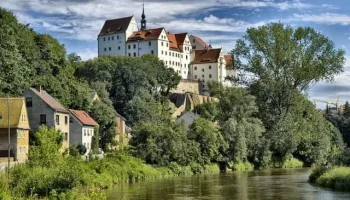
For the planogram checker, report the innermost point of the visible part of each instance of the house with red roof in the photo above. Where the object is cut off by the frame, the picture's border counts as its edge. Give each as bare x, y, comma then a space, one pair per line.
43, 109
82, 128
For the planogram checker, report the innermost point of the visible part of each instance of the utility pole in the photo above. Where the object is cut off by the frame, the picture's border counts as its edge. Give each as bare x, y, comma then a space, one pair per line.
9, 138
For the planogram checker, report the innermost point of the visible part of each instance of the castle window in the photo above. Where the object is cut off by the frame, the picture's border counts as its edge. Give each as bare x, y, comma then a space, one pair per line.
166, 53
167, 45
202, 70
162, 52
109, 38
152, 52
105, 49
104, 39
195, 68
110, 48
43, 119
209, 67
195, 76
112, 37
194, 47
149, 43
129, 46
57, 119
202, 75
118, 47
129, 54
134, 54
65, 119
162, 43
209, 75
117, 37
186, 57
134, 46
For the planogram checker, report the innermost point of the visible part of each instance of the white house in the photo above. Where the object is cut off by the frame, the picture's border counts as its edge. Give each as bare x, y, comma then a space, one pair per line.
122, 37
82, 128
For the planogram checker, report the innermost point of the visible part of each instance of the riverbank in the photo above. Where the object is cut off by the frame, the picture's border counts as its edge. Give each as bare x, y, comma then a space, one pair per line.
337, 178
73, 178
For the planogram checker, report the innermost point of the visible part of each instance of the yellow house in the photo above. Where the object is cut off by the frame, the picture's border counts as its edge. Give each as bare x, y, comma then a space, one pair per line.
121, 135
19, 129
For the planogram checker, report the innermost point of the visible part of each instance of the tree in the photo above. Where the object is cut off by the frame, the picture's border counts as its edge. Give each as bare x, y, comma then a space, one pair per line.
209, 111
346, 112
209, 138
81, 149
105, 116
283, 62
215, 88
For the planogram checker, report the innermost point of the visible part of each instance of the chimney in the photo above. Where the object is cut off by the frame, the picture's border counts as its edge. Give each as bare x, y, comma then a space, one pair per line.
38, 88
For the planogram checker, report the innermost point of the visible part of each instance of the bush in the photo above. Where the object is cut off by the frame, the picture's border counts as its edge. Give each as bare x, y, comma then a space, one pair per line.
337, 178
317, 172
242, 166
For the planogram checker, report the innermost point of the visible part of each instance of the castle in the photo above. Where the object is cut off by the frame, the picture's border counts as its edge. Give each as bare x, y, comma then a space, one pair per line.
188, 55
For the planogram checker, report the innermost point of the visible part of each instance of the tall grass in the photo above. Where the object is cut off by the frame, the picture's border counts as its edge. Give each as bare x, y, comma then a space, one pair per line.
337, 178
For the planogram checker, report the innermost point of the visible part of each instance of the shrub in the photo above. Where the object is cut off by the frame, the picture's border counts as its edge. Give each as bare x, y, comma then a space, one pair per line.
337, 178
242, 166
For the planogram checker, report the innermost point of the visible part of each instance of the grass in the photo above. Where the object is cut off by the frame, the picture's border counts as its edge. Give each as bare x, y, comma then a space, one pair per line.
289, 163
242, 166
337, 178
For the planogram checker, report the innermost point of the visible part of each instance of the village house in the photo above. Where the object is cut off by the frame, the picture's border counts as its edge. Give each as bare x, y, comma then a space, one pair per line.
43, 109
122, 131
81, 129
19, 129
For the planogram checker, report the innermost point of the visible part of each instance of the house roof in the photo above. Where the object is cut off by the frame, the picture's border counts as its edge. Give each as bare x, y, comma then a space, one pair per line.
176, 41
150, 34
114, 26
49, 100
201, 42
180, 38
229, 61
16, 105
83, 117
206, 56
121, 116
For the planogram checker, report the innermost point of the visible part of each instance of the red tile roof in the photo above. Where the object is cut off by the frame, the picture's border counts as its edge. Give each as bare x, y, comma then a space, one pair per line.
229, 61
176, 41
150, 34
206, 56
50, 101
201, 42
83, 117
114, 26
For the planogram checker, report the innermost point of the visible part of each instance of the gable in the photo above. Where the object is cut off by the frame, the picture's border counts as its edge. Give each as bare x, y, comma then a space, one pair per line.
114, 26
16, 108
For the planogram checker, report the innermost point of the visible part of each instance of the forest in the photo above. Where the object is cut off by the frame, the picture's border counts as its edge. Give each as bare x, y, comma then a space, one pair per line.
266, 122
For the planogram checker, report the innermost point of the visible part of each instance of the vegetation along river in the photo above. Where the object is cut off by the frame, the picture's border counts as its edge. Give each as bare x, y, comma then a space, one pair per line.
277, 184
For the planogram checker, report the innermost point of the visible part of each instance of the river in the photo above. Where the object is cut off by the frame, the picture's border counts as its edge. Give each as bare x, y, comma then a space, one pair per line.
278, 184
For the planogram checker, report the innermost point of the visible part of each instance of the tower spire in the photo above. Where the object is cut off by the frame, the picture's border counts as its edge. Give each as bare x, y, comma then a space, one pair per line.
143, 16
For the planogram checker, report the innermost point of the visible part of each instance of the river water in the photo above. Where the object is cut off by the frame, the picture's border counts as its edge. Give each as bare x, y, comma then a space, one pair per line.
281, 184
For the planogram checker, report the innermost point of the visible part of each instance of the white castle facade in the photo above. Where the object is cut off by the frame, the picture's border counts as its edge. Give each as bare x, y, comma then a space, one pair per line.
188, 55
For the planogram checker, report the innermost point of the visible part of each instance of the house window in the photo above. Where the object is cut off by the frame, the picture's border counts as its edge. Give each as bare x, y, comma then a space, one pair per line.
195, 68
129, 46
202, 75
65, 119
134, 54
109, 38
209, 75
84, 132
29, 101
195, 76
166, 53
134, 46
162, 43
149, 43
110, 48
186, 57
173, 53
162, 52
105, 49
152, 52
117, 37
166, 62
194, 47
66, 136
104, 39
88, 133
42, 119
129, 54
173, 62
202, 70
112, 37
194, 41
57, 119
118, 47
70, 119
167, 45
209, 67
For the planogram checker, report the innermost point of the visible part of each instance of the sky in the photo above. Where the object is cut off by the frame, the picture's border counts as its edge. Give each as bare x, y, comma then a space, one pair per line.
76, 24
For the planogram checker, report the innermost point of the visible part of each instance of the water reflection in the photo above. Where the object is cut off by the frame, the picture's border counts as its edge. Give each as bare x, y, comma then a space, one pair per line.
268, 184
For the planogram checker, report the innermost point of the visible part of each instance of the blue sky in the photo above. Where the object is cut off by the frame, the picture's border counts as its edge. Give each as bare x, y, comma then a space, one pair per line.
76, 23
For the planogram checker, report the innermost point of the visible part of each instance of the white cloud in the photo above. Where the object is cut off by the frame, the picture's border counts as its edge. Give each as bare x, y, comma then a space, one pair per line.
327, 18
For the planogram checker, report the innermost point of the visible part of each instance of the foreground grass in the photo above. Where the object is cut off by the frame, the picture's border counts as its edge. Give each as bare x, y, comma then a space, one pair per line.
337, 178
77, 179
